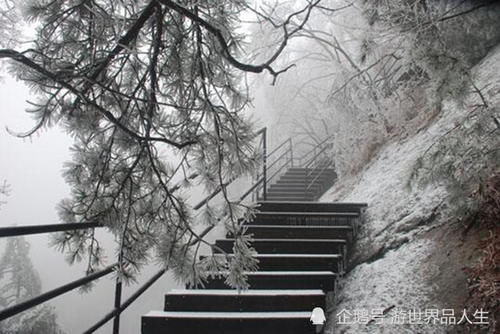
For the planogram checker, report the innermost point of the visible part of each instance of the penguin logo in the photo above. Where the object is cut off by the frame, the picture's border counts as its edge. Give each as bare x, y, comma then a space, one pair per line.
318, 316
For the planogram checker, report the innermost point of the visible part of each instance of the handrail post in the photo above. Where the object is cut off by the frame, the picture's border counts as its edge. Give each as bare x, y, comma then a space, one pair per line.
314, 158
264, 162
291, 152
118, 302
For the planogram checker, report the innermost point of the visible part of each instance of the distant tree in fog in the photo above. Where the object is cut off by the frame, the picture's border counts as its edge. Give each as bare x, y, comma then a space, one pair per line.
19, 281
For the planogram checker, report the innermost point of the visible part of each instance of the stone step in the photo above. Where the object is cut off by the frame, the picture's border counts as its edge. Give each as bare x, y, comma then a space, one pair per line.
300, 246
275, 206
287, 246
291, 197
284, 193
298, 232
294, 198
323, 280
285, 187
220, 300
308, 170
308, 176
160, 322
304, 218
301, 179
295, 262
303, 169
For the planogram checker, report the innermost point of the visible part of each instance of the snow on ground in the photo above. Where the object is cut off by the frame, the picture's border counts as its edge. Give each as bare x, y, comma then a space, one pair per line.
392, 257
394, 284
394, 204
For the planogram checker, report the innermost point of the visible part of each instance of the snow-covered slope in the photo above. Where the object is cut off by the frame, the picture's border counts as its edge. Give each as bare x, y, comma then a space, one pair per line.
409, 252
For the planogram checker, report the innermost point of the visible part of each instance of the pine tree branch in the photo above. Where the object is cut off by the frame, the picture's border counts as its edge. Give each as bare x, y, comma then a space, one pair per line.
225, 47
21, 58
124, 41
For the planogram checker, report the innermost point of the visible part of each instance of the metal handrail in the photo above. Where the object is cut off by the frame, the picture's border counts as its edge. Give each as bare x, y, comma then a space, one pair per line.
317, 154
278, 159
119, 307
23, 306
14, 231
249, 191
319, 175
179, 184
241, 199
289, 161
280, 169
213, 194
301, 158
288, 140
118, 310
313, 160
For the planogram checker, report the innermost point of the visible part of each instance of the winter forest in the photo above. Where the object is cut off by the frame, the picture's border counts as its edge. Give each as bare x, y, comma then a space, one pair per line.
144, 123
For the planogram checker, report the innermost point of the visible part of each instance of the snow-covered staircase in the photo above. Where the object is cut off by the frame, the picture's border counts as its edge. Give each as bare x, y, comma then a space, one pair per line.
301, 246
302, 184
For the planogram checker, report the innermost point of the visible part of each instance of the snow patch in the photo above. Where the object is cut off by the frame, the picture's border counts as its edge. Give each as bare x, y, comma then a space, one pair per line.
396, 282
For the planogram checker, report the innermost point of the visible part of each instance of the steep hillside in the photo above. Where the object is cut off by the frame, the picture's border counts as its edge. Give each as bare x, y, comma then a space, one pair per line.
417, 235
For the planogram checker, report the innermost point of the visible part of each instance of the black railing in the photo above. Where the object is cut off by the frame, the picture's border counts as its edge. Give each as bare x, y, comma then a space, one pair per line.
285, 157
311, 161
119, 307
15, 231
21, 307
316, 166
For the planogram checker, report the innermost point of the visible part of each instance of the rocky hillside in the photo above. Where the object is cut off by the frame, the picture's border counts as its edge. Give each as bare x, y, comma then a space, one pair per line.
417, 236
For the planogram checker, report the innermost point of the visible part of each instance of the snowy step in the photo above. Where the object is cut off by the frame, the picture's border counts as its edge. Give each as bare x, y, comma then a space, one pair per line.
274, 206
295, 182
318, 175
304, 218
298, 231
284, 187
307, 214
278, 245
324, 280
159, 322
296, 262
291, 196
309, 170
294, 198
243, 301
252, 292
300, 182
306, 177
290, 193
304, 168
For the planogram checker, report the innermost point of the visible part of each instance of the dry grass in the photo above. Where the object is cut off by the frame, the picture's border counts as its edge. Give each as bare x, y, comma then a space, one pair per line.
484, 276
